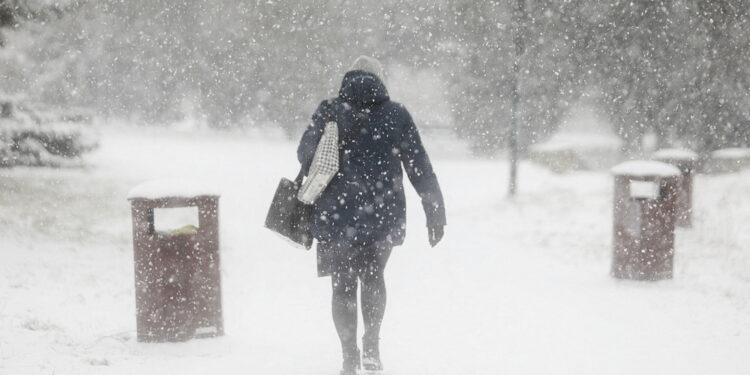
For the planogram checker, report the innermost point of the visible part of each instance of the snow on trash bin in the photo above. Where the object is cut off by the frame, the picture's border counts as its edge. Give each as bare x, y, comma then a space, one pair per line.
643, 168
173, 188
675, 154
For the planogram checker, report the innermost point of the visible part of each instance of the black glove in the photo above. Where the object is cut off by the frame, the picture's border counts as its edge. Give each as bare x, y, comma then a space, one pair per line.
435, 234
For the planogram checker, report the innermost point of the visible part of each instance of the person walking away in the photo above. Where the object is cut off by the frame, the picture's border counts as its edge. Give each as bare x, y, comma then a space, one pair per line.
361, 215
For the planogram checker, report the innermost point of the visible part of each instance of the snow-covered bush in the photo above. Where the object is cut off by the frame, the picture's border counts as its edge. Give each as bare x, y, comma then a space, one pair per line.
42, 137
728, 160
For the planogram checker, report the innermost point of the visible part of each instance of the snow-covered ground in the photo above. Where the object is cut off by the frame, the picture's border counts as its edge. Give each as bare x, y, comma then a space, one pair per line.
517, 286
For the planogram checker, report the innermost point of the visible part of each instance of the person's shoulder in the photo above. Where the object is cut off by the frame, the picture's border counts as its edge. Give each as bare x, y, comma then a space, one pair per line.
395, 108
328, 107
327, 103
393, 104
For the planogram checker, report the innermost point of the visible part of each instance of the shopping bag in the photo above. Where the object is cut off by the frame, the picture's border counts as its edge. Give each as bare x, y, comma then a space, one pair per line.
289, 217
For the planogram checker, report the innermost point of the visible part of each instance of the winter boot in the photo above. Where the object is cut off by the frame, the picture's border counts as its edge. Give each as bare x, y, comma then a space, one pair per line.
371, 356
351, 363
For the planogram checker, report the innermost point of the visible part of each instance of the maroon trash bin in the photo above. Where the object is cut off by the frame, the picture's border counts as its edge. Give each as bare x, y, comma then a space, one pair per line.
177, 276
685, 161
644, 220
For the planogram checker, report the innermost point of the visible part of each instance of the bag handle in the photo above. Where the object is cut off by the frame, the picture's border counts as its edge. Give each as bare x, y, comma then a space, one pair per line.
300, 176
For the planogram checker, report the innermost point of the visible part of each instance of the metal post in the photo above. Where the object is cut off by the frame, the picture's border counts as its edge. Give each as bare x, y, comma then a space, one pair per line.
518, 17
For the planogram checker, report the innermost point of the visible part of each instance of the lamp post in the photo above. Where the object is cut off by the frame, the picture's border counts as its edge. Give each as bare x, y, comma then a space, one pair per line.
518, 18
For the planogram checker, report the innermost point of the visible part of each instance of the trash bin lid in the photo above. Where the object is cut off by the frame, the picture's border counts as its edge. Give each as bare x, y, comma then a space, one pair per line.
676, 154
173, 188
645, 168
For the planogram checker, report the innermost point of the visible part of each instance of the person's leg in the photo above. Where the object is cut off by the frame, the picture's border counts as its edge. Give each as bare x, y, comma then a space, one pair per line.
344, 307
374, 298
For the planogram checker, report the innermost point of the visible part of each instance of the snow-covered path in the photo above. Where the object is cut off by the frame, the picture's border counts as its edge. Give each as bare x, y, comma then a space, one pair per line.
518, 286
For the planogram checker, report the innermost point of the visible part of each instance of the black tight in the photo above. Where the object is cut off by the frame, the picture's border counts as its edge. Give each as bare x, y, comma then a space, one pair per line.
344, 308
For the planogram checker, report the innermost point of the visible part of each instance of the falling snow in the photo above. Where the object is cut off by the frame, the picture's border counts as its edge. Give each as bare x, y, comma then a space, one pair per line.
105, 100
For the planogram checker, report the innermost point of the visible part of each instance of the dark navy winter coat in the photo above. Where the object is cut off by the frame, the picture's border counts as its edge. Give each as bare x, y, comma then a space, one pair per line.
365, 203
